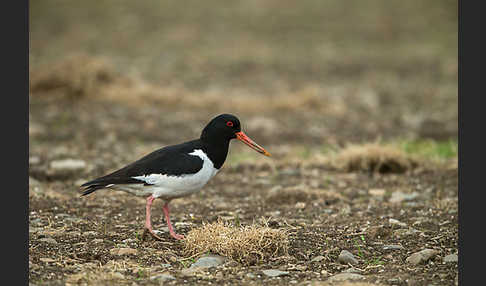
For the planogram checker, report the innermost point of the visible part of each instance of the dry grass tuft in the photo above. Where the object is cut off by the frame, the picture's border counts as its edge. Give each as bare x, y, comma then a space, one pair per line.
76, 75
246, 244
291, 195
374, 157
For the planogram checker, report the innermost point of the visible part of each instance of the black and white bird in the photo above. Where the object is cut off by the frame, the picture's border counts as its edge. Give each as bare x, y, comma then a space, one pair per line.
178, 170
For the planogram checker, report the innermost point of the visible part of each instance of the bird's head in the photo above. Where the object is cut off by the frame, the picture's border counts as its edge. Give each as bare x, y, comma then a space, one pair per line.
226, 127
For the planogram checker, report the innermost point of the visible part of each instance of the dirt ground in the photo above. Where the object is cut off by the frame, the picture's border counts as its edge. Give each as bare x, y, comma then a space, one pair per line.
302, 90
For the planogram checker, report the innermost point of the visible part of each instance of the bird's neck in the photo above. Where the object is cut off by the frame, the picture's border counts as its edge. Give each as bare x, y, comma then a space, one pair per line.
216, 151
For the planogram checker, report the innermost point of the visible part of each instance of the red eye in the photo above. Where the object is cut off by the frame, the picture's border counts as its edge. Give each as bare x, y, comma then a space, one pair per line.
229, 124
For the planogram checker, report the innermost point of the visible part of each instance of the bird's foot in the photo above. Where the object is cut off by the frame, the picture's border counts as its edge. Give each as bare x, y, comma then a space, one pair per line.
152, 233
177, 236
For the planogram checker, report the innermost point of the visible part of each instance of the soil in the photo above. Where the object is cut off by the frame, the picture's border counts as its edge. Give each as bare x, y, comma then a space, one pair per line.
324, 210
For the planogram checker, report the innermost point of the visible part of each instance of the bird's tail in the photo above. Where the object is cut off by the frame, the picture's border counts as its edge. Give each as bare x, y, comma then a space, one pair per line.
92, 186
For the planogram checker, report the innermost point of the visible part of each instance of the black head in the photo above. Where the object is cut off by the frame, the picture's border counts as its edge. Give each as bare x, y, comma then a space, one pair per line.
223, 128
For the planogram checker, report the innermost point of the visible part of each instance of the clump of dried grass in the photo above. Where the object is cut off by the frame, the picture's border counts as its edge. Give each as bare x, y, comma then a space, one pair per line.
75, 75
373, 157
246, 244
291, 195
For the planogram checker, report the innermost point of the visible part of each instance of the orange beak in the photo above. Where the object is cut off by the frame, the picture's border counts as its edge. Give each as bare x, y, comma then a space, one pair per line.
245, 139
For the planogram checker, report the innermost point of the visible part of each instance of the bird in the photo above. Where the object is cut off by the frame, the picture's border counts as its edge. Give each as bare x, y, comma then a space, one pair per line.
176, 171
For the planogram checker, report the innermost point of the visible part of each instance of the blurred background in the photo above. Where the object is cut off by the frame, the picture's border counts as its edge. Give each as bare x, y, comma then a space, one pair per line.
311, 74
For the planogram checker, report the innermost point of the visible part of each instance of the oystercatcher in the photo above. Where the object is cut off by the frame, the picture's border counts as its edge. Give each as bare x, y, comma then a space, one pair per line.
178, 170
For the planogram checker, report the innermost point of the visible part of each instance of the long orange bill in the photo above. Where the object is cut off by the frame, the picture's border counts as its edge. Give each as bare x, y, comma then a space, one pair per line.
245, 139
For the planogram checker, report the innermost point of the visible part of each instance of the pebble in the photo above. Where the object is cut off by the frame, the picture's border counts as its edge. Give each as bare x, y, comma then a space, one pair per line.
67, 165
398, 197
123, 251
377, 192
405, 232
352, 270
345, 276
393, 247
47, 260
318, 258
347, 257
451, 258
117, 275
421, 256
393, 221
274, 272
163, 277
34, 160
48, 240
209, 261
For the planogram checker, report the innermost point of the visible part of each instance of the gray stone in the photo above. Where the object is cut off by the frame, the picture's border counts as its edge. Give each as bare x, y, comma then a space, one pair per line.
162, 277
405, 232
398, 197
274, 272
393, 221
345, 276
209, 261
421, 256
318, 258
451, 258
352, 270
346, 257
393, 247
67, 165
48, 240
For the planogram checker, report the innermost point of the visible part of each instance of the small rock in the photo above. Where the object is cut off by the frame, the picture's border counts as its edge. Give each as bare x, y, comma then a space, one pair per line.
345, 276
421, 256
300, 205
33, 182
188, 272
163, 277
48, 240
346, 257
46, 259
398, 197
250, 275
451, 258
393, 221
123, 251
209, 261
34, 160
377, 192
405, 232
318, 258
324, 273
393, 247
67, 165
352, 270
274, 272
117, 275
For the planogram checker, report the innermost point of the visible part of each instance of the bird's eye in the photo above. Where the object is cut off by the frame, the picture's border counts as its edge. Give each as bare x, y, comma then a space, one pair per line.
229, 124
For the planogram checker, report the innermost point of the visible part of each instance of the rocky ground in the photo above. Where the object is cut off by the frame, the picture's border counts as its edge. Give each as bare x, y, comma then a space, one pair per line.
341, 224
376, 216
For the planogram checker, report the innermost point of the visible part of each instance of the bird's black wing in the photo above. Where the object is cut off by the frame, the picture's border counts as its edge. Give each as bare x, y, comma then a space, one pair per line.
171, 160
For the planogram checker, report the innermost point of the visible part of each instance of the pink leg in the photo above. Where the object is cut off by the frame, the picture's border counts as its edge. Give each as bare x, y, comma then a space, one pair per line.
148, 222
171, 229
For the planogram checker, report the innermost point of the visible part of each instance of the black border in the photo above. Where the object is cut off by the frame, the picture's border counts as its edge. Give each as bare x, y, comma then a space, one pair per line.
471, 48
15, 139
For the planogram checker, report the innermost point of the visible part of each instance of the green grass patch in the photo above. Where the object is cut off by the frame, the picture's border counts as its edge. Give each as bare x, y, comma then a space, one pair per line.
430, 149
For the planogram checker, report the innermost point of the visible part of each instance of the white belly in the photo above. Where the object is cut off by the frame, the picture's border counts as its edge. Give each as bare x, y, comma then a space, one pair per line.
170, 187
